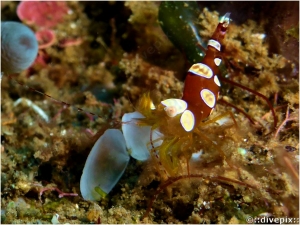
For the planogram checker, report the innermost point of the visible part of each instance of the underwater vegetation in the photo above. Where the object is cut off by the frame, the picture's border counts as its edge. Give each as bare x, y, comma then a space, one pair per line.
148, 112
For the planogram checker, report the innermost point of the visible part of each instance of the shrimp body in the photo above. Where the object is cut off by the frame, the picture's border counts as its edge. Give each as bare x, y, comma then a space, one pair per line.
201, 89
165, 130
176, 119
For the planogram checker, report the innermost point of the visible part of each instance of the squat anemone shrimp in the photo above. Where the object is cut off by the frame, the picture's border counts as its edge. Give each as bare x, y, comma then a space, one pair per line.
166, 130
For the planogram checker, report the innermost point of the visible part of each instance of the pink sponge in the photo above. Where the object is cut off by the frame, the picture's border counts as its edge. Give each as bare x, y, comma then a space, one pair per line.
45, 37
42, 14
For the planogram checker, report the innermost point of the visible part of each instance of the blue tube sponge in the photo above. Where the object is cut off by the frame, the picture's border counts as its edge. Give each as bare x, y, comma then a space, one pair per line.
19, 47
104, 166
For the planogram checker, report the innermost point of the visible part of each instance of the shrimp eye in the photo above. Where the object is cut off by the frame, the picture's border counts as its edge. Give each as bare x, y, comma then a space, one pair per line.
171, 111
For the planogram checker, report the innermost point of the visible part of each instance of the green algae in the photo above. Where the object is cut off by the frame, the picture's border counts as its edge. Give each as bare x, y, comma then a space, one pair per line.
179, 21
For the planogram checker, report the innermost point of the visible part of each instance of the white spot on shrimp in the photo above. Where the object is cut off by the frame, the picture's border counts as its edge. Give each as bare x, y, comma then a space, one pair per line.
187, 120
217, 61
208, 97
215, 44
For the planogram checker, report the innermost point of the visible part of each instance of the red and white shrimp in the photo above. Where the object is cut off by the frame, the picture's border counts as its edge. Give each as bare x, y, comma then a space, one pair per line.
165, 131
